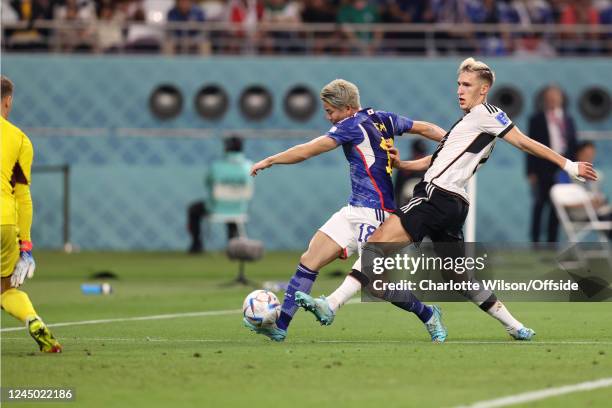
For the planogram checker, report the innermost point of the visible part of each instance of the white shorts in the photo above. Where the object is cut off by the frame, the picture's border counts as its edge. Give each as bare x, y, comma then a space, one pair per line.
352, 226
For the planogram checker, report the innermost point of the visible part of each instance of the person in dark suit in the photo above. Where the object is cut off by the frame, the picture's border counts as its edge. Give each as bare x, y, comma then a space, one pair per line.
555, 128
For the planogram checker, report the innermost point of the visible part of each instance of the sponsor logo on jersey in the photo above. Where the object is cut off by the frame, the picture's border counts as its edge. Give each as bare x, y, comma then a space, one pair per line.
502, 118
381, 127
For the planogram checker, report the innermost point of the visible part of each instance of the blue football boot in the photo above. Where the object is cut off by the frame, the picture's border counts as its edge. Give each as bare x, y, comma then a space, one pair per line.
522, 334
319, 307
271, 331
435, 327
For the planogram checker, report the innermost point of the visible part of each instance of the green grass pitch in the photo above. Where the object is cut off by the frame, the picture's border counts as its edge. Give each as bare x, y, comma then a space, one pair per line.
373, 355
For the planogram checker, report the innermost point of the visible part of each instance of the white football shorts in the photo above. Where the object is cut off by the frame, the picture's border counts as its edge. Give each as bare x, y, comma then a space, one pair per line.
351, 227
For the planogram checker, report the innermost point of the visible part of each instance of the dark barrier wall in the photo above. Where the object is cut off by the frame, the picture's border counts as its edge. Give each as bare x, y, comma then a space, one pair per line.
133, 174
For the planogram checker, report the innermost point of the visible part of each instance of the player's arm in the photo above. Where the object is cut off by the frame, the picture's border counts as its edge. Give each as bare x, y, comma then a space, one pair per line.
22, 172
576, 170
421, 164
402, 124
25, 266
25, 211
297, 153
428, 130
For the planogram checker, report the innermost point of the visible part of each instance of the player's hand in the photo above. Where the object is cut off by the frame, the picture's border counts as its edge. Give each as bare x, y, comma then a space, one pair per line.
25, 265
586, 171
580, 171
394, 156
264, 164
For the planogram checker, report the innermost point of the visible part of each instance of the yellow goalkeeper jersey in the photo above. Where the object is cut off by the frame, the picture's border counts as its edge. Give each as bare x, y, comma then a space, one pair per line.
16, 162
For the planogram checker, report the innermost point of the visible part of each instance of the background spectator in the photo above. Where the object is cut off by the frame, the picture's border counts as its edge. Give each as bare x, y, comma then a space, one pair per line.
185, 40
77, 34
553, 127
234, 170
459, 26
405, 12
109, 28
142, 37
586, 151
360, 12
320, 11
244, 16
534, 12
282, 12
580, 12
32, 11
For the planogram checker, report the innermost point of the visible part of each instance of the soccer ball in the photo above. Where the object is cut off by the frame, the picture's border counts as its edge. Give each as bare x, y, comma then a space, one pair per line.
261, 308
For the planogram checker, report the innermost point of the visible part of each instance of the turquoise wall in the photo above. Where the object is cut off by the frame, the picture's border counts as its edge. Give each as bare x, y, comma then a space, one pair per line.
131, 192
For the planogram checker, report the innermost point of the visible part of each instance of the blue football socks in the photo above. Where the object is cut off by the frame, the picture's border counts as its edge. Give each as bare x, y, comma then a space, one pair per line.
302, 280
414, 305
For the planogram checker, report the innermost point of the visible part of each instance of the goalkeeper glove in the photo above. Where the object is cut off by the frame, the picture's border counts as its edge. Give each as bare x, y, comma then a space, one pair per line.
25, 265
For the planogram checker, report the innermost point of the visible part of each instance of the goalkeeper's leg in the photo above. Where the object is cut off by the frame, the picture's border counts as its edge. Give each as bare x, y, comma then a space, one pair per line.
16, 302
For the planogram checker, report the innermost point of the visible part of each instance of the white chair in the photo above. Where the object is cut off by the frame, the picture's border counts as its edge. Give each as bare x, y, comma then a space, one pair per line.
579, 219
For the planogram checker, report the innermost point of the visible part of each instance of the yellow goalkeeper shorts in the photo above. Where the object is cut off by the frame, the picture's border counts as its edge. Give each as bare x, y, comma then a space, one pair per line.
10, 250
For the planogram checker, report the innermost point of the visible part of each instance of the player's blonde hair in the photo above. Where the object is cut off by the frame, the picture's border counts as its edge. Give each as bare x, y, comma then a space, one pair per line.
480, 68
341, 93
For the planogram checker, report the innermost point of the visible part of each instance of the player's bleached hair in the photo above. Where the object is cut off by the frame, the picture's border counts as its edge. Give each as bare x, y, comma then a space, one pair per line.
6, 87
341, 93
484, 72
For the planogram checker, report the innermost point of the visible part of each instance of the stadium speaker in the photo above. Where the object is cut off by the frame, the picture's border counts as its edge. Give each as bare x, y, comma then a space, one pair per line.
166, 102
211, 102
300, 103
508, 99
256, 103
594, 104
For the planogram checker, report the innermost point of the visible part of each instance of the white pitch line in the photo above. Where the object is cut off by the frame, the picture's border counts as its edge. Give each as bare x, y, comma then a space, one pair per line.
528, 343
138, 318
541, 394
153, 317
144, 340
134, 340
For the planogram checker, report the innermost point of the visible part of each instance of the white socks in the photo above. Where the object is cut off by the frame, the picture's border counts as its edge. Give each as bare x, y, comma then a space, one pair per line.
345, 291
502, 314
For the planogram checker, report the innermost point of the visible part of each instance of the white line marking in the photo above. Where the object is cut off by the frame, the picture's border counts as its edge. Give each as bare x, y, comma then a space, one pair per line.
144, 340
236, 311
528, 343
153, 317
541, 394
139, 318
134, 340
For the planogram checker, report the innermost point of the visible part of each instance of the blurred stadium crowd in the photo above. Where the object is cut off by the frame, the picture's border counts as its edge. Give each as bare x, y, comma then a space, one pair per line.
339, 27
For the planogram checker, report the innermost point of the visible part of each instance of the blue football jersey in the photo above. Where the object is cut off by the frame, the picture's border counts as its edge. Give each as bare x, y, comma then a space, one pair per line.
365, 138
